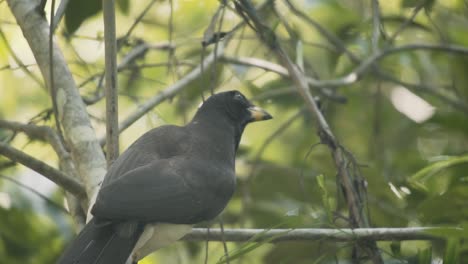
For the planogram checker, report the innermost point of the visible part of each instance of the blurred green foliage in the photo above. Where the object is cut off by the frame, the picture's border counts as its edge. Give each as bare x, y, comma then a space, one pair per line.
416, 171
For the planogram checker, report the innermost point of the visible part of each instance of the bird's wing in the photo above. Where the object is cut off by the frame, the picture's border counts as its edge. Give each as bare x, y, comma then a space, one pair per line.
151, 193
160, 143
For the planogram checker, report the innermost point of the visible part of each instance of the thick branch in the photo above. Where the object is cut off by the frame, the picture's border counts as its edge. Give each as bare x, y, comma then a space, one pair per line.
313, 234
78, 132
49, 172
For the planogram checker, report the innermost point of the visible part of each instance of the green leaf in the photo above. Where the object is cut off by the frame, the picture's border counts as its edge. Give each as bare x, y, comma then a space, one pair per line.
425, 256
124, 6
434, 168
325, 197
452, 251
415, 3
78, 11
395, 247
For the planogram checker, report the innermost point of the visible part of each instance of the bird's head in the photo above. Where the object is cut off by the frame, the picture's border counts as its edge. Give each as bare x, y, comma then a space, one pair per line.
234, 106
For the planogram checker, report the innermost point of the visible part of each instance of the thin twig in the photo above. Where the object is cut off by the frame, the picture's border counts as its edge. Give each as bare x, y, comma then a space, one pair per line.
323, 31
172, 90
358, 71
17, 60
53, 90
272, 67
43, 133
268, 37
207, 242
375, 25
128, 61
217, 40
258, 63
138, 20
59, 14
355, 75
170, 28
120, 44
315, 234
169, 92
437, 93
282, 128
361, 69
223, 240
405, 24
111, 88
64, 181
32, 190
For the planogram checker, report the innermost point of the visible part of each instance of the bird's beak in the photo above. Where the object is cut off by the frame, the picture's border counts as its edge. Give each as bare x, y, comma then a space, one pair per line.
258, 114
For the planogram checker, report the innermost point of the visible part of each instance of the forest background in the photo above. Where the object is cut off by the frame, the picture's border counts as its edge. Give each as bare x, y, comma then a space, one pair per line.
370, 131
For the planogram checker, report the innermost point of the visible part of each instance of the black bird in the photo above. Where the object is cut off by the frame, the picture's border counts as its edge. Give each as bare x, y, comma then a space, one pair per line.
169, 179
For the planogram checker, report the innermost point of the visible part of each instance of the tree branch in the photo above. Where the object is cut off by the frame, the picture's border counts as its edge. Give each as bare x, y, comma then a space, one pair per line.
323, 31
112, 106
46, 133
364, 64
59, 14
43, 133
62, 180
127, 62
34, 191
258, 63
314, 234
78, 133
408, 21
363, 68
355, 74
351, 192
168, 92
18, 61
322, 88
139, 19
375, 25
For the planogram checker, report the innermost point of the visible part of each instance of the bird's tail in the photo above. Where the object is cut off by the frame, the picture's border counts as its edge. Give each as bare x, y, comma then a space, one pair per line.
100, 244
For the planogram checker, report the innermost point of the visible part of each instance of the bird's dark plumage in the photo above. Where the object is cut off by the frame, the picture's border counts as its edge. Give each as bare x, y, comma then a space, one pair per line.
172, 174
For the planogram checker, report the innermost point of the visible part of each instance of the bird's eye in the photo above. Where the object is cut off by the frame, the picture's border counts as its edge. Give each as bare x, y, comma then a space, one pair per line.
238, 96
